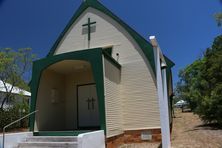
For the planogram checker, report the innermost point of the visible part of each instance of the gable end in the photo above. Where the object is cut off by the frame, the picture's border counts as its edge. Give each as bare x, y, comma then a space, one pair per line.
143, 44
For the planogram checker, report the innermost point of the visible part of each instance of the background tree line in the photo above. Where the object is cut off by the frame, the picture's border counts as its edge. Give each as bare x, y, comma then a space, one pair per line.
201, 84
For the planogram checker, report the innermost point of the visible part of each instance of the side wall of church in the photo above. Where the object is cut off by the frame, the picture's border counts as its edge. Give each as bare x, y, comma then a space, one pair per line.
113, 102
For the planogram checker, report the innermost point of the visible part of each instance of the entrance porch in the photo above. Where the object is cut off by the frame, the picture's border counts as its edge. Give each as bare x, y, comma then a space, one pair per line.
68, 92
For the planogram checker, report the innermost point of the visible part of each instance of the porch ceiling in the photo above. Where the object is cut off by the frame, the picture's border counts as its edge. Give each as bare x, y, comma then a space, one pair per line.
70, 66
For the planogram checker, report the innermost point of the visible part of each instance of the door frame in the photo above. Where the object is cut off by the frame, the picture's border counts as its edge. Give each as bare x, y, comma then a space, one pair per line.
77, 103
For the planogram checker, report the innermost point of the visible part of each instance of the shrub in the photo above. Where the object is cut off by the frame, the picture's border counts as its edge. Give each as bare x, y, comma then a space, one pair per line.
14, 113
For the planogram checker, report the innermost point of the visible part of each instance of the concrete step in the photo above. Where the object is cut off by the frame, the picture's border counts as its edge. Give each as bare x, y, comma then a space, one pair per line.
49, 142
48, 145
51, 139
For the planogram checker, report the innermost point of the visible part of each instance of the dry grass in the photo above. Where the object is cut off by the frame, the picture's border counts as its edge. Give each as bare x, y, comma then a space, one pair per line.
190, 132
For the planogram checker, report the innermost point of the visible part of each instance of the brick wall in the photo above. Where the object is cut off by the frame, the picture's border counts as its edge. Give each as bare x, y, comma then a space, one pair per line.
133, 136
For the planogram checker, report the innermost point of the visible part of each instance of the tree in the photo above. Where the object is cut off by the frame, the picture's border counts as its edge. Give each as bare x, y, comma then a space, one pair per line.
218, 17
14, 65
188, 87
201, 84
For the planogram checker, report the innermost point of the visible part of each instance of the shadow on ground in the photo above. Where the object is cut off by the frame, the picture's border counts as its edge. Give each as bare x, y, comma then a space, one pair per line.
211, 126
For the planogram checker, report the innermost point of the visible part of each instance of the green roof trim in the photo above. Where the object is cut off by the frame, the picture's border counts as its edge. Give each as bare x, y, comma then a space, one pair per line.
111, 59
93, 56
169, 63
143, 43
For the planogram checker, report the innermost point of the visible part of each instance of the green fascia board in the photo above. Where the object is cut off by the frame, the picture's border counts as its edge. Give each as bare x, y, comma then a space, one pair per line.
169, 62
109, 50
146, 47
111, 59
93, 56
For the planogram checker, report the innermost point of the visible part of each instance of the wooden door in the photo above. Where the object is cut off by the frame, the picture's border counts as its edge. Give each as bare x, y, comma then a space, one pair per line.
88, 112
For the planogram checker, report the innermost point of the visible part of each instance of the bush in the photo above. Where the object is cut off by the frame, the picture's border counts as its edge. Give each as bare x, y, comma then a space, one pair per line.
14, 113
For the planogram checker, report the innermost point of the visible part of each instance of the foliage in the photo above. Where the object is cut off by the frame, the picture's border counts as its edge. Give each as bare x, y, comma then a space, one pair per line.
218, 18
14, 65
14, 113
201, 84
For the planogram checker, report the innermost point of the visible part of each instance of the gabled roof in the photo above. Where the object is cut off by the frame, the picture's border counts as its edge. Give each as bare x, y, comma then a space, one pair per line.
143, 43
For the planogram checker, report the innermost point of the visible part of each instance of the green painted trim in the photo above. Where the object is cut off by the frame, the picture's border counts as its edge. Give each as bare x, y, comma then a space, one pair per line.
169, 62
94, 56
109, 50
111, 59
36, 75
60, 133
143, 43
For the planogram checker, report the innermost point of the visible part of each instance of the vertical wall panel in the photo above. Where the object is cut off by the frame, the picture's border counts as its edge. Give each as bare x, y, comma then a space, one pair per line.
138, 92
112, 100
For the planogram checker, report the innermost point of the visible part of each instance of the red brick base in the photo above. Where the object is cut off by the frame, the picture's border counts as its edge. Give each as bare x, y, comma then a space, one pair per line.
132, 136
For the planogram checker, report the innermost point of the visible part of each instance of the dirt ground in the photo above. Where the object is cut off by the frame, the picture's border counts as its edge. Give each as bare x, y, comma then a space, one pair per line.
190, 132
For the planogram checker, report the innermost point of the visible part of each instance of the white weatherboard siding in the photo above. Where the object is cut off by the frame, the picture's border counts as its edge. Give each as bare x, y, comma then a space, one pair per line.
137, 90
112, 100
108, 32
139, 96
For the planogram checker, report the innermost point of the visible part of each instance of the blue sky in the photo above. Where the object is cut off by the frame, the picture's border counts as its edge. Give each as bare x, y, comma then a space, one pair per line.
184, 28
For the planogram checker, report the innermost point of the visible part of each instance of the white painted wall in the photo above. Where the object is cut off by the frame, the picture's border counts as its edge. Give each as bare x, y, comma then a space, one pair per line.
113, 102
138, 93
12, 139
92, 140
51, 108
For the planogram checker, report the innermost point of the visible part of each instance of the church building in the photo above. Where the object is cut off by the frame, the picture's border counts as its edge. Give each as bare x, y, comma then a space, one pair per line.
100, 74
